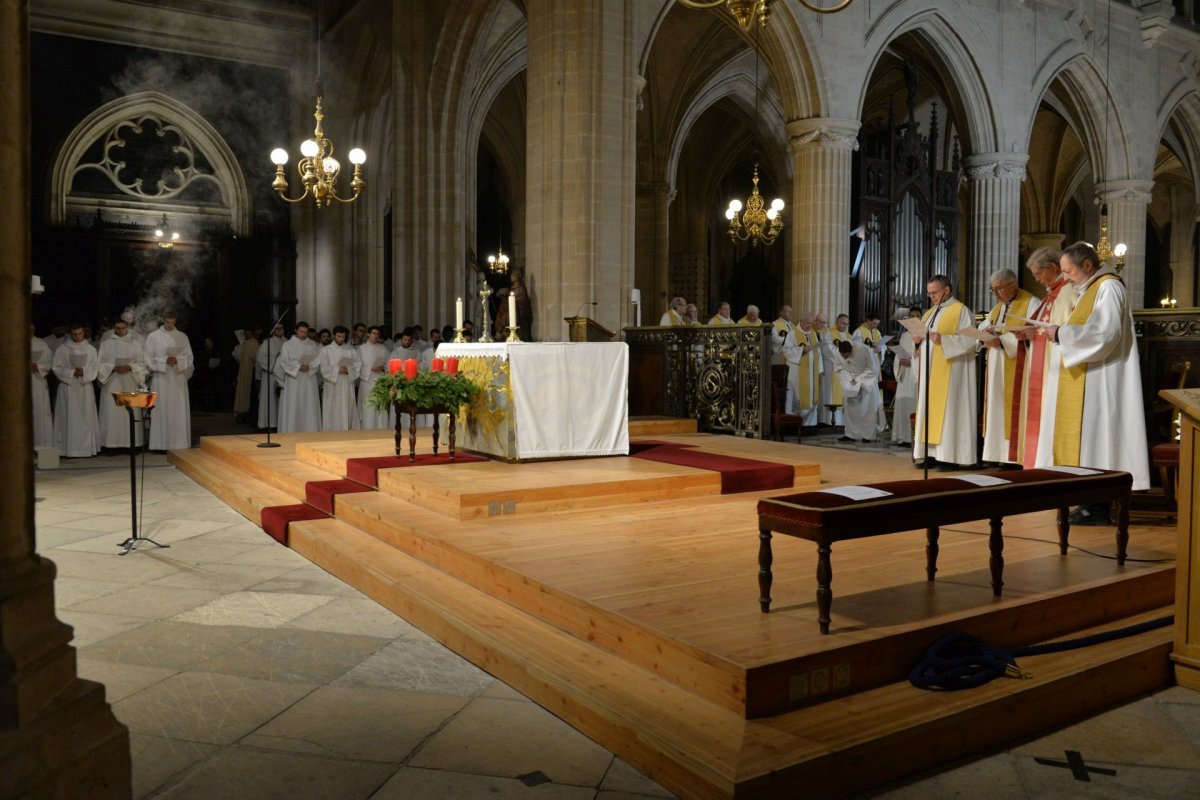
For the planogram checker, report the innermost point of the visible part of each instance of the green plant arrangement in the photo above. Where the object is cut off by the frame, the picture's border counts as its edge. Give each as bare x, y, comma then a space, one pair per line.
429, 390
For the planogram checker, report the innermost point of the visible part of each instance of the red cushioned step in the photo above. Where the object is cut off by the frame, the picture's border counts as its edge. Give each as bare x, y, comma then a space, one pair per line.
366, 470
320, 493
275, 519
737, 474
1165, 454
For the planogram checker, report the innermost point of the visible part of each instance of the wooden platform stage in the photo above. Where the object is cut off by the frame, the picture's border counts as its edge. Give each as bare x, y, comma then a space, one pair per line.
621, 594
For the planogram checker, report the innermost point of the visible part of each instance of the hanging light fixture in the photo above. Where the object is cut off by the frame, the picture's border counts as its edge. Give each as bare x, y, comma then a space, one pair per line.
165, 235
1104, 249
747, 11
497, 265
318, 168
757, 223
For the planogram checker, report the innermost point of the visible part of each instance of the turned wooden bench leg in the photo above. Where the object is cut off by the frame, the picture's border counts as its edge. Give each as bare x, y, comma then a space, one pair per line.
1121, 512
931, 551
996, 545
764, 569
824, 592
1064, 528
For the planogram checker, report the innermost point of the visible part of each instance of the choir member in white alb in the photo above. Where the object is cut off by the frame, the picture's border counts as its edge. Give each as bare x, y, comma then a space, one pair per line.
863, 409
268, 383
1098, 421
373, 355
950, 383
830, 410
296, 369
904, 402
122, 369
340, 368
76, 430
43, 420
169, 354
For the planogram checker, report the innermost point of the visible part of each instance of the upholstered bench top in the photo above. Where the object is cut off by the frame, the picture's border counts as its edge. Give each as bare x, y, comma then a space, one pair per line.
850, 512
1165, 454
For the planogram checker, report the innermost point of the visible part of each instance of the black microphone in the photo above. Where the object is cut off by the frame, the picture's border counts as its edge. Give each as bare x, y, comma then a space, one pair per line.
585, 303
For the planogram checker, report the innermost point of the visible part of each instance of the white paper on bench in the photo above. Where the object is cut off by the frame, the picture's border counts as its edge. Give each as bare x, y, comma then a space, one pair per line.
1074, 470
857, 492
980, 480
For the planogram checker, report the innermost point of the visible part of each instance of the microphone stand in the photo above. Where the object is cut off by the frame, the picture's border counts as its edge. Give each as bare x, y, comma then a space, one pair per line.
270, 377
927, 358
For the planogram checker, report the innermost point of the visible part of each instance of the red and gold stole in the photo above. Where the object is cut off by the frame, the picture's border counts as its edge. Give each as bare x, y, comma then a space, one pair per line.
1037, 375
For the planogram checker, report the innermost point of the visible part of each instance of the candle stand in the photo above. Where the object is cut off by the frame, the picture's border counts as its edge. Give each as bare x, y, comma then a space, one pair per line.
131, 401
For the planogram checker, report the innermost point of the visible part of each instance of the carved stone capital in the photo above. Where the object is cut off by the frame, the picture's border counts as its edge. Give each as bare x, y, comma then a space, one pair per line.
823, 132
1004, 166
1132, 191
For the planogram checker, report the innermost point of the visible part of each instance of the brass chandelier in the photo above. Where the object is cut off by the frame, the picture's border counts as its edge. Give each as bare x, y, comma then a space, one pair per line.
318, 168
758, 223
747, 11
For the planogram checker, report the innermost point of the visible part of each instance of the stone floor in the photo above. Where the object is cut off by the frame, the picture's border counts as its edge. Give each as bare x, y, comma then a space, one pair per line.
243, 671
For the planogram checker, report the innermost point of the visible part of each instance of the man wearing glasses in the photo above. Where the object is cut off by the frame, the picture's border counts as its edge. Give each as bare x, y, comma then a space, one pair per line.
1005, 369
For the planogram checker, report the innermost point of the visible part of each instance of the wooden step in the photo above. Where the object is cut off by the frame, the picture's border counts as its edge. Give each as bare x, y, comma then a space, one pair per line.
245, 494
277, 467
699, 749
650, 426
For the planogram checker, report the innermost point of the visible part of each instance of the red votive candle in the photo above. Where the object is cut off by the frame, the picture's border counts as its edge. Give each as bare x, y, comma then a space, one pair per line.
410, 368
451, 366
436, 365
395, 365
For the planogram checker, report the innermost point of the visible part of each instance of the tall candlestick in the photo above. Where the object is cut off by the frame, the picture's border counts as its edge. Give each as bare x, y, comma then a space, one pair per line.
458, 314
512, 310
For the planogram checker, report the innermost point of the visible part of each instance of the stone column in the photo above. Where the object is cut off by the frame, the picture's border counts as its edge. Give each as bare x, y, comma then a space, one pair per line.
995, 227
652, 273
1127, 203
58, 737
580, 161
820, 214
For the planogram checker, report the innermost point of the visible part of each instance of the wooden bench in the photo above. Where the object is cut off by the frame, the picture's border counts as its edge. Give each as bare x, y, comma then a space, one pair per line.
825, 517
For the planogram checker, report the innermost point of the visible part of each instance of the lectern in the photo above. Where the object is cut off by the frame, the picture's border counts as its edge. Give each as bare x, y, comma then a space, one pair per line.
1186, 654
586, 329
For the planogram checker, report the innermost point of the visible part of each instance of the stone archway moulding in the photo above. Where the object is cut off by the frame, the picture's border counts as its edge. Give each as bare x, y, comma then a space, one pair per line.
226, 171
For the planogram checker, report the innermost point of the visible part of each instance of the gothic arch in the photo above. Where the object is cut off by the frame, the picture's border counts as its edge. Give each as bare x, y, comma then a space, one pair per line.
1184, 108
227, 173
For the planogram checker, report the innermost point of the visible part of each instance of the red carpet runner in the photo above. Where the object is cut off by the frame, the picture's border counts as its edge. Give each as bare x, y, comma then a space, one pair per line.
737, 474
366, 470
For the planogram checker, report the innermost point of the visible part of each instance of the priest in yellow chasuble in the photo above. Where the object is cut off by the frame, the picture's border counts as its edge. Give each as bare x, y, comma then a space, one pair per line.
950, 384
868, 334
832, 400
1098, 419
808, 372
1005, 369
786, 350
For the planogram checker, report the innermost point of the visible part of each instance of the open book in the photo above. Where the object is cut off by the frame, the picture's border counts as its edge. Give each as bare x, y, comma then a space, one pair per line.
1034, 322
307, 359
79, 360
916, 327
975, 333
175, 351
346, 361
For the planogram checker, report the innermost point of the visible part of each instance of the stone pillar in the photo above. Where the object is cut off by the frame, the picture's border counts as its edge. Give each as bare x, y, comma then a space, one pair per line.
580, 161
995, 226
652, 272
58, 737
820, 214
1127, 203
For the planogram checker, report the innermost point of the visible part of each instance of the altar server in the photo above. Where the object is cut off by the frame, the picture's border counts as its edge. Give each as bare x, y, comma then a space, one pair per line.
855, 370
297, 369
373, 355
340, 368
1005, 369
122, 368
76, 429
43, 420
950, 384
1098, 421
169, 354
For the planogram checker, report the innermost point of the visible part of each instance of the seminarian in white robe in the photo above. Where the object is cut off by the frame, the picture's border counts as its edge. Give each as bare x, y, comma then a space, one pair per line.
340, 368
405, 349
296, 369
863, 409
76, 429
952, 386
904, 402
122, 368
268, 382
43, 420
1005, 371
169, 355
373, 354
1105, 427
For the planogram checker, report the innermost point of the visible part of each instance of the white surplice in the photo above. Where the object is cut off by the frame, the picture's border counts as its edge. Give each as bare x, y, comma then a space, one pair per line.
299, 403
268, 382
171, 418
785, 350
904, 402
372, 355
863, 409
40, 365
959, 428
1114, 428
114, 419
829, 339
339, 409
76, 429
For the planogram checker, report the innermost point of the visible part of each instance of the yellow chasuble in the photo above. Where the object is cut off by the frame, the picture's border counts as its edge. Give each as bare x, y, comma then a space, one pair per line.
1068, 414
675, 319
939, 370
717, 319
870, 336
807, 393
1019, 307
836, 397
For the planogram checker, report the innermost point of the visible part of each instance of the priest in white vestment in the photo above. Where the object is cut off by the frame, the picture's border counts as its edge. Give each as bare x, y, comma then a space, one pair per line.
830, 411
808, 372
43, 421
752, 316
904, 402
1005, 369
268, 384
76, 429
722, 316
373, 355
863, 409
169, 354
340, 368
1099, 418
296, 369
950, 383
786, 351
122, 368
675, 312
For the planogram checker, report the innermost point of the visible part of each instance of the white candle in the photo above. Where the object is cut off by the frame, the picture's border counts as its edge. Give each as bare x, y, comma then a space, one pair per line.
458, 314
512, 309
637, 310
